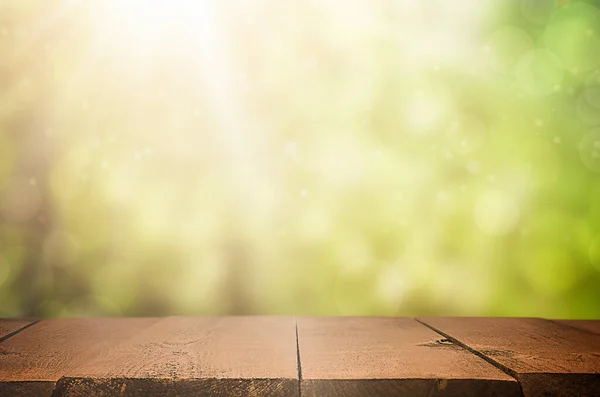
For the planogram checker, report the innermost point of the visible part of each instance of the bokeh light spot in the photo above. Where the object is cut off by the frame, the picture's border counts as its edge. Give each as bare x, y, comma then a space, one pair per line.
496, 212
505, 47
538, 72
573, 35
425, 111
466, 134
588, 104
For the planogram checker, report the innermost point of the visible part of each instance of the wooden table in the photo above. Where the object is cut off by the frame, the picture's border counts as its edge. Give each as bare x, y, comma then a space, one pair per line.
303, 356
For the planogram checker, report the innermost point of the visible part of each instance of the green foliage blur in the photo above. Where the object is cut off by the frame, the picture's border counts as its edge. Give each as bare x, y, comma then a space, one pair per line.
353, 157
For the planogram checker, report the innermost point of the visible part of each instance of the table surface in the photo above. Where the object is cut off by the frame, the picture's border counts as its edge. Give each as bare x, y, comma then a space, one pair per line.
299, 356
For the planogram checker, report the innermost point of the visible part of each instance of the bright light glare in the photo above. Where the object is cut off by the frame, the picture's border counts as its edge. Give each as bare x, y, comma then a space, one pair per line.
154, 20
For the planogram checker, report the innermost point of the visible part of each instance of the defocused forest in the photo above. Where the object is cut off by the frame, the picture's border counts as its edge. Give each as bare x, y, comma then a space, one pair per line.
393, 157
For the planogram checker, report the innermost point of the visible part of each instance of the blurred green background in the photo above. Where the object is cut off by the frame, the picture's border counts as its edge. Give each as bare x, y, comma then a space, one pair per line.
393, 157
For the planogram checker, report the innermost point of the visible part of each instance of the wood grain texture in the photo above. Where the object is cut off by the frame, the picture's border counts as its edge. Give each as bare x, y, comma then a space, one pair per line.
202, 356
586, 325
8, 326
370, 356
36, 358
548, 359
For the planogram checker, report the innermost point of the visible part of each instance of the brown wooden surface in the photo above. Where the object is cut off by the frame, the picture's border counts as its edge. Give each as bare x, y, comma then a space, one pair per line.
9, 326
37, 357
369, 356
548, 359
586, 325
338, 356
202, 356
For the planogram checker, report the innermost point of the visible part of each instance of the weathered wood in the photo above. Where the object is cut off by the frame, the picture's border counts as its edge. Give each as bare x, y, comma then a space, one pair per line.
10, 326
548, 359
586, 325
205, 356
369, 356
36, 358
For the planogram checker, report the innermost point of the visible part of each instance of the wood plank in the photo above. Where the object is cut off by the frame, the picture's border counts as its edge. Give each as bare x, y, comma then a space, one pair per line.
36, 358
375, 356
202, 356
586, 325
8, 326
547, 358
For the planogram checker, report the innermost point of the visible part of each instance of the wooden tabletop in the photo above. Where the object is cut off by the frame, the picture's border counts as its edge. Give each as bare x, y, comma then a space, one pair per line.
303, 356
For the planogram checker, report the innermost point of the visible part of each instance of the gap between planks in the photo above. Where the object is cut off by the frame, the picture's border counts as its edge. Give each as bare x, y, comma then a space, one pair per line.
298, 359
546, 357
490, 360
372, 356
13, 333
